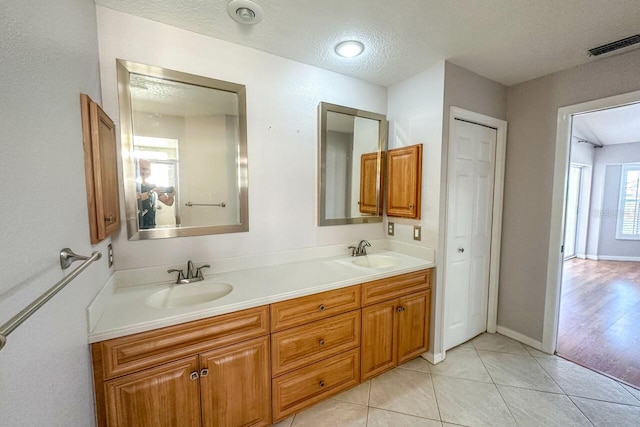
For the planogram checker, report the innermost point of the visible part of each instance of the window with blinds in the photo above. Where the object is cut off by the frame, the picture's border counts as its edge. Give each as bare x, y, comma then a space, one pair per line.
629, 207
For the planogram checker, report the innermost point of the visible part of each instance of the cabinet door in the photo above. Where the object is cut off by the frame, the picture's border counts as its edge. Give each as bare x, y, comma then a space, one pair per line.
236, 385
369, 180
168, 395
413, 315
404, 181
378, 339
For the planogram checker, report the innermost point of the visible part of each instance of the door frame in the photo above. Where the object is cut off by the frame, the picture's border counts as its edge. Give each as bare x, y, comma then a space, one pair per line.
558, 208
496, 226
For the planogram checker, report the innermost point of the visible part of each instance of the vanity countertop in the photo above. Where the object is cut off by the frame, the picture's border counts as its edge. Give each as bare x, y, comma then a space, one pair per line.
126, 312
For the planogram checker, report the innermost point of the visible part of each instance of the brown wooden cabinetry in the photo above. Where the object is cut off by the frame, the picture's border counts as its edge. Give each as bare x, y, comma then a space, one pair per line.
217, 368
101, 173
397, 328
370, 180
404, 181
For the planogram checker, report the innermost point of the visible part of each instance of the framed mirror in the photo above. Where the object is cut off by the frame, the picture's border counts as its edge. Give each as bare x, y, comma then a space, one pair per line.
184, 148
351, 151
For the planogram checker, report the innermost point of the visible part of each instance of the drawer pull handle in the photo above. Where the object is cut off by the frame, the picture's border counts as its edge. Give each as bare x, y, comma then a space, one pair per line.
321, 307
400, 309
321, 342
321, 384
204, 373
194, 376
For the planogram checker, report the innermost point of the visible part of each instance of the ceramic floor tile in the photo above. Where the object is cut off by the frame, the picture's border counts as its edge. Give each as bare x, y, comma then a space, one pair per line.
581, 382
608, 414
358, 394
332, 413
417, 364
537, 353
284, 423
382, 418
405, 391
535, 408
470, 403
518, 371
462, 362
497, 342
632, 390
465, 345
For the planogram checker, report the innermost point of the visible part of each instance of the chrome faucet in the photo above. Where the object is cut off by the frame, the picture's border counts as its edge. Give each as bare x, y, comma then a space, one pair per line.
192, 276
361, 249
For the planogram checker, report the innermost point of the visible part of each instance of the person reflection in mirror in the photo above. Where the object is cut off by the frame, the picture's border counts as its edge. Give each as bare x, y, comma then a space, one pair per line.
148, 195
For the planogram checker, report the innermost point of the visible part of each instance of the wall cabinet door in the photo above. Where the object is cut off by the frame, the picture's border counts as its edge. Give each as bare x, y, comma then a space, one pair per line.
236, 385
413, 314
166, 396
101, 174
404, 181
369, 182
378, 339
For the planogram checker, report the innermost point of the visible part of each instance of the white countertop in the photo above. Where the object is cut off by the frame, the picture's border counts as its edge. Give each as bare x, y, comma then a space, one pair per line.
125, 312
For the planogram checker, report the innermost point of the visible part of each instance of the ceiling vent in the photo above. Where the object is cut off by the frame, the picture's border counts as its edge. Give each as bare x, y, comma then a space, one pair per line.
613, 46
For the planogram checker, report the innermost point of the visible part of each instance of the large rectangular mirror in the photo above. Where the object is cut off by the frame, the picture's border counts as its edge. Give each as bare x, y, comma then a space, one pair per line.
184, 147
351, 147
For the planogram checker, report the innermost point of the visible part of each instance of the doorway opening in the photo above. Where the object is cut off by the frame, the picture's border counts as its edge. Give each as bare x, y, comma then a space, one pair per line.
599, 271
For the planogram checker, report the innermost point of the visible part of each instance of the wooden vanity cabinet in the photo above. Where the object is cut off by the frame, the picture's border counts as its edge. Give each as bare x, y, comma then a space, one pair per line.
404, 181
395, 326
210, 372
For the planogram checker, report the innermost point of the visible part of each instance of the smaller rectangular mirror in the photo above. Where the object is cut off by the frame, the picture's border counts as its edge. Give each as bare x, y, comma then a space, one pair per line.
350, 152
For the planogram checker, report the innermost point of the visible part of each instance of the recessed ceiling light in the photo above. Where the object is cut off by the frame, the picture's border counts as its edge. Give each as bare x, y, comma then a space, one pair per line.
349, 48
245, 11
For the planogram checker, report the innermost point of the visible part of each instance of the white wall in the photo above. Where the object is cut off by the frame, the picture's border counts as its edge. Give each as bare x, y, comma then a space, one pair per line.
49, 56
282, 102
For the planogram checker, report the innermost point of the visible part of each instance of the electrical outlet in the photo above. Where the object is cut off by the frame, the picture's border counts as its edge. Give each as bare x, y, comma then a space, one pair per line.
110, 255
390, 228
417, 232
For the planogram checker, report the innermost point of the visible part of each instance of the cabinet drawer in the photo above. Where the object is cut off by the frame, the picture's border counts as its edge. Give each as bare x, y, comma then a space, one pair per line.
134, 352
306, 386
309, 343
393, 287
298, 311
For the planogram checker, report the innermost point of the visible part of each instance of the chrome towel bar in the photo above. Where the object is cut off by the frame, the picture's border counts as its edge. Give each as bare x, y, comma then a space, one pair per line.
66, 258
221, 204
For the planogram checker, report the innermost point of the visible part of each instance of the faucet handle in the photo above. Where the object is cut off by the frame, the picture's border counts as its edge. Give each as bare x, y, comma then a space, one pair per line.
180, 273
198, 270
353, 250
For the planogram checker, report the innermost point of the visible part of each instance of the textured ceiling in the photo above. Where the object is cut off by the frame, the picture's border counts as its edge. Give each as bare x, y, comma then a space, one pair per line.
509, 41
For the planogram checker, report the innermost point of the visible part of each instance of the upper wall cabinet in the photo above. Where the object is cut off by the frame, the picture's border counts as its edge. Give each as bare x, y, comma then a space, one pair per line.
404, 181
101, 174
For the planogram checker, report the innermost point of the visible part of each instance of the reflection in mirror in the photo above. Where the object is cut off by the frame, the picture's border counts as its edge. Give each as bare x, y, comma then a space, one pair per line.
350, 154
185, 153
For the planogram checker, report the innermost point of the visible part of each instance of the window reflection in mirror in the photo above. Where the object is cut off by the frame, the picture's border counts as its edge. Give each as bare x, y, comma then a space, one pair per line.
184, 150
350, 153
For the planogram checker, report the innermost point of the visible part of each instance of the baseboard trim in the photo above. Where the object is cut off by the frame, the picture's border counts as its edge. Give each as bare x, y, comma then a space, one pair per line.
618, 258
433, 358
520, 337
581, 256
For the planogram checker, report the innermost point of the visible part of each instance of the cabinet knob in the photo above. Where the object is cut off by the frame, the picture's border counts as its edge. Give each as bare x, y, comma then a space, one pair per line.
321, 307
410, 205
321, 342
321, 383
400, 309
194, 375
204, 373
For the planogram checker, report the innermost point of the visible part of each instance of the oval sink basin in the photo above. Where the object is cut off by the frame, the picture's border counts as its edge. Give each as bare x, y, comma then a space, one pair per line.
188, 295
376, 261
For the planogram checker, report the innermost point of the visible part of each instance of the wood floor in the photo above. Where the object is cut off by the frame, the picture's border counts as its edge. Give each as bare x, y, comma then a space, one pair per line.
600, 317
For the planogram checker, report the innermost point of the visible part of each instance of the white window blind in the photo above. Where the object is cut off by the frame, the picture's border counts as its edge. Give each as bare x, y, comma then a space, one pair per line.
629, 214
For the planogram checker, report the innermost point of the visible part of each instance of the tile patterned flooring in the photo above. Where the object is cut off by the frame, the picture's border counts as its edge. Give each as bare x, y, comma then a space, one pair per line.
491, 380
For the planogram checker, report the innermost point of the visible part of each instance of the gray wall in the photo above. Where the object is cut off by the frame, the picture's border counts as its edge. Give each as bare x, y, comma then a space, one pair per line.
608, 169
49, 56
532, 115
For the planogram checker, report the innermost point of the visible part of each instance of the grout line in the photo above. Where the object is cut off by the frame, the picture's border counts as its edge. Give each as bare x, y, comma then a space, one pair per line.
583, 414
435, 396
497, 389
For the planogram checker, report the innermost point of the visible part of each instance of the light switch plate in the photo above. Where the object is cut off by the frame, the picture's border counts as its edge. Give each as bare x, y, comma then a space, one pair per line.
390, 228
417, 232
